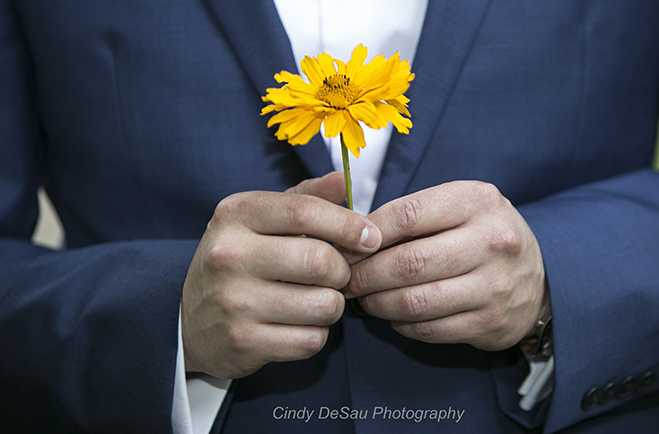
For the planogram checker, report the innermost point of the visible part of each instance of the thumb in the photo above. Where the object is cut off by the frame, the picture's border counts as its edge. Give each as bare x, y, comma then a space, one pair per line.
330, 187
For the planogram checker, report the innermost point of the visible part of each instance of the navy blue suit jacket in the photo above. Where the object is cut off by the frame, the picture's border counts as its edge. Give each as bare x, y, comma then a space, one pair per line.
139, 116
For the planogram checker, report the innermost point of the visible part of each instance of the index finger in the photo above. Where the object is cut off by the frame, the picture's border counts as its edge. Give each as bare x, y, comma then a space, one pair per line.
430, 211
272, 213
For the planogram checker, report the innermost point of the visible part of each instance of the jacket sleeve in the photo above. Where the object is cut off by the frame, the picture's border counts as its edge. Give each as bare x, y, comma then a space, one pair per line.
89, 335
600, 244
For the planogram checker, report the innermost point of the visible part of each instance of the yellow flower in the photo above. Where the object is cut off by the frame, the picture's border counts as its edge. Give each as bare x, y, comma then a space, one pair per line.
340, 95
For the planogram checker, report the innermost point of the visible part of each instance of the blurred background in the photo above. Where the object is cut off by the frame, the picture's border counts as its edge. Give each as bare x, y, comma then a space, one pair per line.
48, 232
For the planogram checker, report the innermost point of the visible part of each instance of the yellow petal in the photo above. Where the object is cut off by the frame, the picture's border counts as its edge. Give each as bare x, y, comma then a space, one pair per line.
304, 99
283, 117
281, 97
375, 73
340, 66
399, 105
303, 137
267, 109
327, 64
403, 100
399, 82
312, 70
287, 98
353, 135
334, 123
367, 112
293, 122
356, 61
295, 82
390, 114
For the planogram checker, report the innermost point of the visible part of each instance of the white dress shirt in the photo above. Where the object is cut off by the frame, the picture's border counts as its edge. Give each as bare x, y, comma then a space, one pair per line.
335, 27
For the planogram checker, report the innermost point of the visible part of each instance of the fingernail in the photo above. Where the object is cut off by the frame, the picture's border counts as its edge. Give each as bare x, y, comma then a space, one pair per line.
370, 237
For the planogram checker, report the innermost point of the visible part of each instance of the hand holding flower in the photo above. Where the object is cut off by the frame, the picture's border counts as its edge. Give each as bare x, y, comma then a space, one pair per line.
459, 265
256, 290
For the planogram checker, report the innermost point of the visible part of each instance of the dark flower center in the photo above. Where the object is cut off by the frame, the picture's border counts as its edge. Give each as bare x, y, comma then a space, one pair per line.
338, 91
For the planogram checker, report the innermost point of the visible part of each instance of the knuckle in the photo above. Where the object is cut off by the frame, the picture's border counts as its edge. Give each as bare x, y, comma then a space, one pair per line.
301, 211
485, 193
500, 286
411, 262
407, 212
300, 188
329, 306
352, 228
495, 321
318, 260
414, 303
239, 339
503, 238
232, 207
423, 331
221, 257
314, 342
234, 304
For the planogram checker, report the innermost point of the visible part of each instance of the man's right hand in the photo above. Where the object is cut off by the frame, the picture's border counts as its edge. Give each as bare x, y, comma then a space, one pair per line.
264, 284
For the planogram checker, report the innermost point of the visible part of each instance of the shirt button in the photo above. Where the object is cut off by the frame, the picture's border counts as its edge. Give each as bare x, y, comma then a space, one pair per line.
591, 398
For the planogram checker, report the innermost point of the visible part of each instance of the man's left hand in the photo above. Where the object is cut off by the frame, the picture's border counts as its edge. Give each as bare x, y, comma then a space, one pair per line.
458, 264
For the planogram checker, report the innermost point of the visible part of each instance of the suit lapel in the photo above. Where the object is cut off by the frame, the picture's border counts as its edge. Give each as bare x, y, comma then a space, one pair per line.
259, 42
261, 46
449, 31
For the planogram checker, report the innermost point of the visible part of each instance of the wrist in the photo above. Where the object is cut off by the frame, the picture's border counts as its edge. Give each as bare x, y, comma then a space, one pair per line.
537, 349
538, 340
543, 315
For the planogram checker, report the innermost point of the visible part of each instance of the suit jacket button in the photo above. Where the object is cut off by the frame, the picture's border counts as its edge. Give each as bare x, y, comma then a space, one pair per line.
591, 398
647, 380
357, 308
627, 387
609, 393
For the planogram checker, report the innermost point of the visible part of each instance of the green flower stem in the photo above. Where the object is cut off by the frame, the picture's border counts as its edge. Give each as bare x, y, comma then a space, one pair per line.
346, 172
